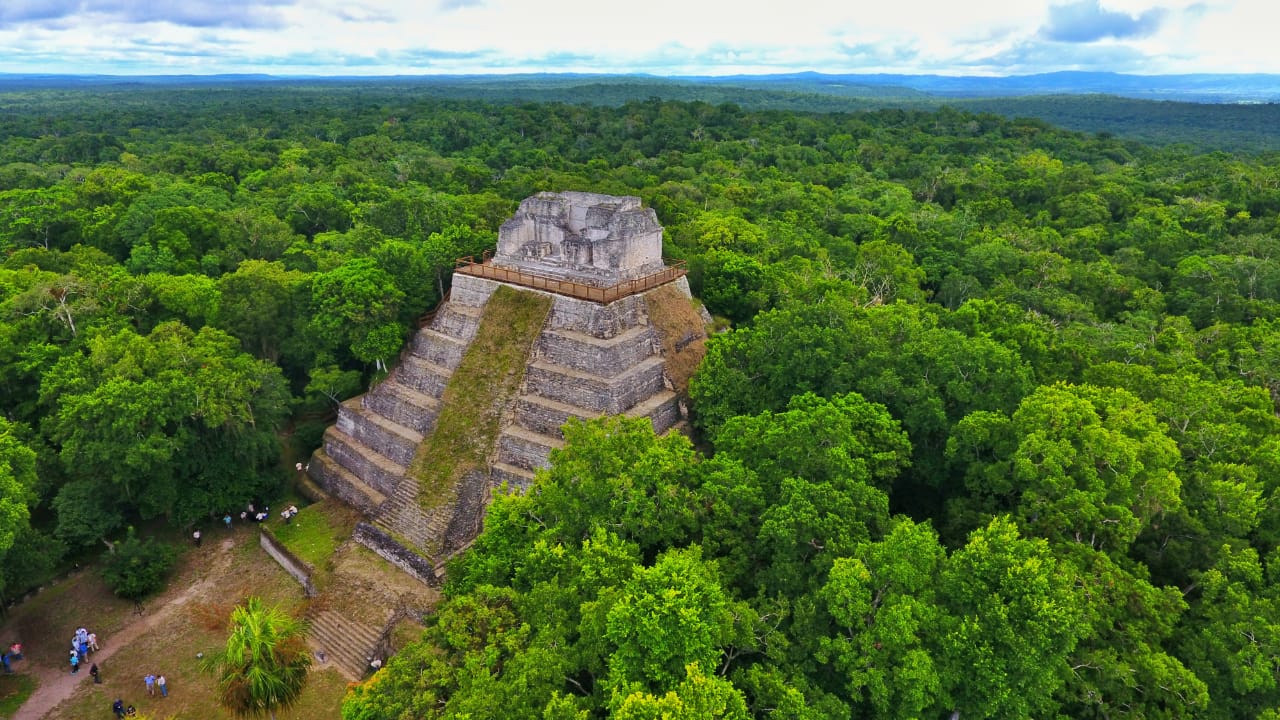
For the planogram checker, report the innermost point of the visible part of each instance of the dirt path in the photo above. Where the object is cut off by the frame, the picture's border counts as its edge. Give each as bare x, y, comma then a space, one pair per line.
58, 684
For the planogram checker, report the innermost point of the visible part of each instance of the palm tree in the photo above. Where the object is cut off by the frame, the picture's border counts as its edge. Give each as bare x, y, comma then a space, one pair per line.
265, 662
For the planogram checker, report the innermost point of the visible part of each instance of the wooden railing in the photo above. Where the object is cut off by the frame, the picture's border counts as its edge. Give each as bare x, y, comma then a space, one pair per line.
603, 295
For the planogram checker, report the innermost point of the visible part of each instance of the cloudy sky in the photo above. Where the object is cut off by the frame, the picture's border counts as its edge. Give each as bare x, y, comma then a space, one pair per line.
664, 37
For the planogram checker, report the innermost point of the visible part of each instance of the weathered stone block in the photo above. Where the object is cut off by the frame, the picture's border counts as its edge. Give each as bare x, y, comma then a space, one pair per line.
422, 375
377, 471
471, 291
525, 449
602, 321
547, 417
458, 321
603, 357
403, 405
393, 552
601, 395
340, 483
366, 427
663, 410
514, 479
438, 348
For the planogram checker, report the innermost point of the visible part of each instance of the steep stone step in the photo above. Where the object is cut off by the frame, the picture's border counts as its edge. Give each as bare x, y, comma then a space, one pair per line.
591, 392
517, 479
598, 356
438, 348
525, 448
421, 529
663, 410
373, 430
342, 483
376, 470
344, 643
546, 416
422, 375
403, 405
459, 321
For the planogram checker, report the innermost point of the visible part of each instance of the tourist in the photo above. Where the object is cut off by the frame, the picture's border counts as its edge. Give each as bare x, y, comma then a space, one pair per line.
4, 660
226, 520
196, 536
75, 663
93, 642
93, 670
15, 651
117, 707
150, 680
163, 685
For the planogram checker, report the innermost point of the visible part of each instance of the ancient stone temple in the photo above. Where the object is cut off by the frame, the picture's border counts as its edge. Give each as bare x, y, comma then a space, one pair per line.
621, 336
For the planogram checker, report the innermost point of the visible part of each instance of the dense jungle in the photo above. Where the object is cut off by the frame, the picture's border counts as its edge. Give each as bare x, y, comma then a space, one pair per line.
988, 424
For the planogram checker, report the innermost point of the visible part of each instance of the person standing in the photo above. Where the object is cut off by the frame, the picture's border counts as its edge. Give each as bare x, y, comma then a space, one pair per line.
75, 663
4, 659
196, 536
117, 707
93, 642
150, 680
164, 687
93, 670
226, 520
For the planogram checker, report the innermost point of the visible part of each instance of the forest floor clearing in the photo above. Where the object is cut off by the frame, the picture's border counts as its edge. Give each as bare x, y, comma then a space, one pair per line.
162, 636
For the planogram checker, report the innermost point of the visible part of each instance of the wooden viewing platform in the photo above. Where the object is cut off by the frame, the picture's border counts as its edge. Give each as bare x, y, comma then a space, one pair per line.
603, 295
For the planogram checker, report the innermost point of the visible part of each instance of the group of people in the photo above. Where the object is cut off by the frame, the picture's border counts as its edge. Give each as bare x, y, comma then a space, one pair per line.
254, 514
251, 513
156, 682
153, 682
83, 643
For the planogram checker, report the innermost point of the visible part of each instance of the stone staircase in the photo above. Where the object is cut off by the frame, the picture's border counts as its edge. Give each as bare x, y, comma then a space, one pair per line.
591, 360
343, 643
366, 455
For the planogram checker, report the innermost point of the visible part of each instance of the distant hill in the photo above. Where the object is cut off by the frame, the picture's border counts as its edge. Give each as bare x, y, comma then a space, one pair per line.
1206, 111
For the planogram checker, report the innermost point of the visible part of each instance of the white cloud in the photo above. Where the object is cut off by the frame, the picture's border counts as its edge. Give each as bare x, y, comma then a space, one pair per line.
660, 36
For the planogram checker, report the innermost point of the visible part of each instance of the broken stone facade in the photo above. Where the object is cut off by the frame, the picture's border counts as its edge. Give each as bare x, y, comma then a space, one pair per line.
592, 239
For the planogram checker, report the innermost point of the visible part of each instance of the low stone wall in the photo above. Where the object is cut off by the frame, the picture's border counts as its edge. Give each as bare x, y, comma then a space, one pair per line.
393, 552
290, 562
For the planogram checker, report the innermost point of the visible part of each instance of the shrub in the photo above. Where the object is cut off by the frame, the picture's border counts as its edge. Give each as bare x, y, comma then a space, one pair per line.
136, 568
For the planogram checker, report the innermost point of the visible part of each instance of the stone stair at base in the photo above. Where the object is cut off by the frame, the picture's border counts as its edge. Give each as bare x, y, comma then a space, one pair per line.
345, 644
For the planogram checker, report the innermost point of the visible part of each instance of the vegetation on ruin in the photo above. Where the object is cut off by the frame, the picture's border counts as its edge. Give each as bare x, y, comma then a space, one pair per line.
479, 392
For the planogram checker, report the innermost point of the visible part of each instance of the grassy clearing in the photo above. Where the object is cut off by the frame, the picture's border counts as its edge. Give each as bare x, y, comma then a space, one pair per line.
14, 690
315, 533
478, 393
227, 570
678, 323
